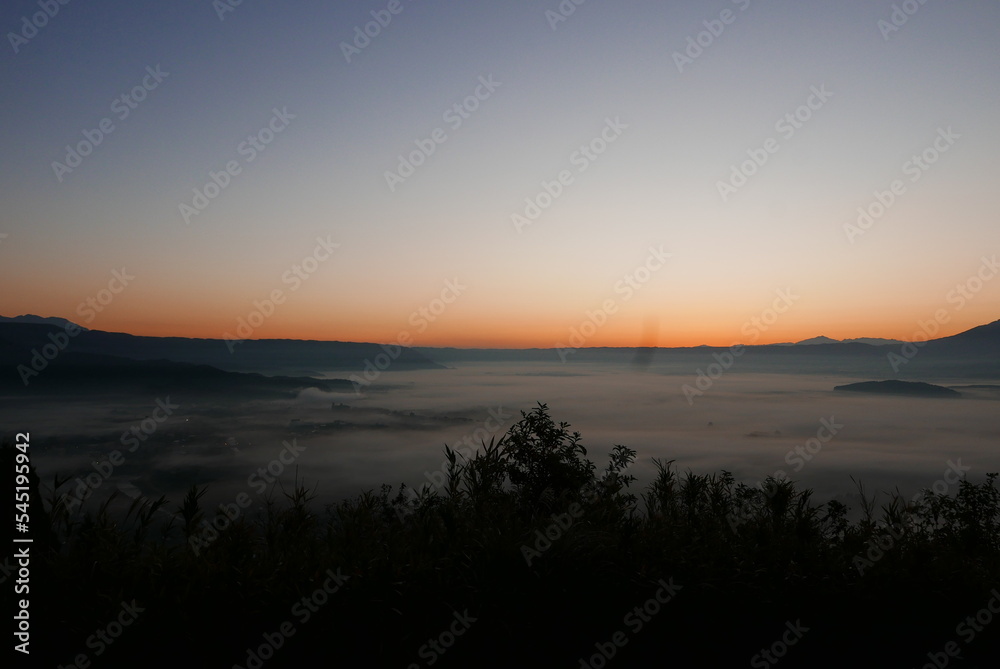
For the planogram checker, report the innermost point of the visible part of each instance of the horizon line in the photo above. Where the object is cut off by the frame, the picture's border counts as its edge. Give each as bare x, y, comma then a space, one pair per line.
555, 347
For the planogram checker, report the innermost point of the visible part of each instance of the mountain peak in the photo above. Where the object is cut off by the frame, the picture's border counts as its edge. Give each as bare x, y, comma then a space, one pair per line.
817, 340
39, 320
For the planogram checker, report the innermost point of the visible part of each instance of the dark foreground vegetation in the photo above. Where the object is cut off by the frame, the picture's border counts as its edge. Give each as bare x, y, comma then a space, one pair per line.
529, 556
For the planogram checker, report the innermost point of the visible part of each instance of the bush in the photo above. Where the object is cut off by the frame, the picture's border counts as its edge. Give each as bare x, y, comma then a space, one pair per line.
748, 559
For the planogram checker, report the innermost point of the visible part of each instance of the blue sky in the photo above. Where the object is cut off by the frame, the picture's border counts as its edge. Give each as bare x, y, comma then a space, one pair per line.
557, 85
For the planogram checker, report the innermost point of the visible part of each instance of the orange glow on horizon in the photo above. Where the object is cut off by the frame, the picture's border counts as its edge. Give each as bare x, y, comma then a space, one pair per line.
541, 337
524, 325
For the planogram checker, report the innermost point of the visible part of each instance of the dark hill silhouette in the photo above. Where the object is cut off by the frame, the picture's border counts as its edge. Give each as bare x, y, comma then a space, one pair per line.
894, 387
817, 340
972, 354
978, 340
277, 356
874, 341
39, 320
75, 374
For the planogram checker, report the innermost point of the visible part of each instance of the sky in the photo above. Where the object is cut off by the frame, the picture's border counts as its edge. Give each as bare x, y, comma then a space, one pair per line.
504, 175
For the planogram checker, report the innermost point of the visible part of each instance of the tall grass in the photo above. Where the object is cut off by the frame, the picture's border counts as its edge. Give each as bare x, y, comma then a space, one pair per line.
748, 558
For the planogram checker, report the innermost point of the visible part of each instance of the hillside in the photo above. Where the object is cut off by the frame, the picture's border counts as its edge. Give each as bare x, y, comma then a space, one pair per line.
893, 387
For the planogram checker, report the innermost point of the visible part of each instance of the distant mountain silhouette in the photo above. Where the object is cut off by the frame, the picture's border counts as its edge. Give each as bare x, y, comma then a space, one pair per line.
96, 362
277, 356
817, 340
974, 354
894, 387
39, 320
984, 339
873, 341
78, 374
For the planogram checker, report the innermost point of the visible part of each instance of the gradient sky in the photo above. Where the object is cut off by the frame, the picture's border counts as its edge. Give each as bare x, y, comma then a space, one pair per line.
656, 185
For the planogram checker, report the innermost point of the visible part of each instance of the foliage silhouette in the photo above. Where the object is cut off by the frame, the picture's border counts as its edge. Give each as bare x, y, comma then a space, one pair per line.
748, 558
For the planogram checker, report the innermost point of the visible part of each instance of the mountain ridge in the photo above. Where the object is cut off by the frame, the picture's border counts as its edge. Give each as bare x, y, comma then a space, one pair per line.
987, 331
